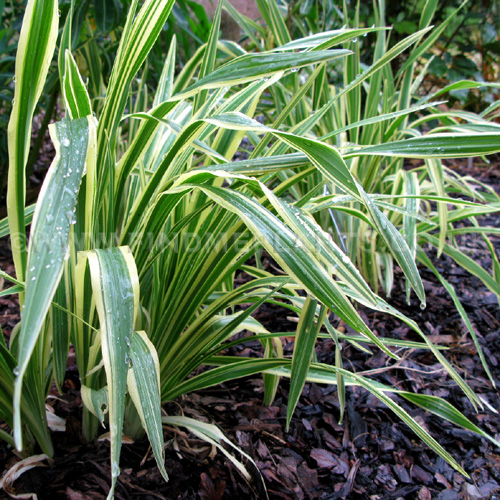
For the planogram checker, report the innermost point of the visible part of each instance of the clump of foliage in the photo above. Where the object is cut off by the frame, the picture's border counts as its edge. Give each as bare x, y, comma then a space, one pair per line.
144, 218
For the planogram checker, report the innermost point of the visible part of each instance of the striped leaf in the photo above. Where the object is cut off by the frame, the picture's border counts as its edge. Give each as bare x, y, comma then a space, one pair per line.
443, 409
435, 146
251, 67
143, 382
321, 244
460, 308
327, 39
305, 340
466, 263
115, 287
140, 33
272, 16
48, 248
34, 53
96, 401
325, 374
75, 93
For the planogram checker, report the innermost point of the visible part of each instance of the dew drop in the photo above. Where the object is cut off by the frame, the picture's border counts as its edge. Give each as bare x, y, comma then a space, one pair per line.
115, 470
294, 70
65, 142
422, 306
33, 278
15, 371
345, 259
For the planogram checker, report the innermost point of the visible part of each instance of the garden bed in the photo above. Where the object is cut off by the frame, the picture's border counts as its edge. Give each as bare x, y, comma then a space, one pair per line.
371, 455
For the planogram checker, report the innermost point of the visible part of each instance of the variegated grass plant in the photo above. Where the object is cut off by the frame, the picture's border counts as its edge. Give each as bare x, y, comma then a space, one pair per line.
144, 219
377, 120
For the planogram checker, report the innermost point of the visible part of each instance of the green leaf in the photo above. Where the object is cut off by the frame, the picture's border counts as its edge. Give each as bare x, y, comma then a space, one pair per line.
445, 410
34, 53
251, 67
115, 287
435, 146
28, 216
107, 14
427, 13
75, 93
461, 85
13, 290
96, 401
53, 218
143, 382
305, 340
60, 322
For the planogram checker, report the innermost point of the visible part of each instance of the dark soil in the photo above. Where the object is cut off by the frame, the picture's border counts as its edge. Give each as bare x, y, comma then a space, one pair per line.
371, 455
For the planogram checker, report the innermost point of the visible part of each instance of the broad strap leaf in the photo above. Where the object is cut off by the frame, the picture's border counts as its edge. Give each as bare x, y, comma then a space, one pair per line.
115, 287
143, 382
48, 248
34, 53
